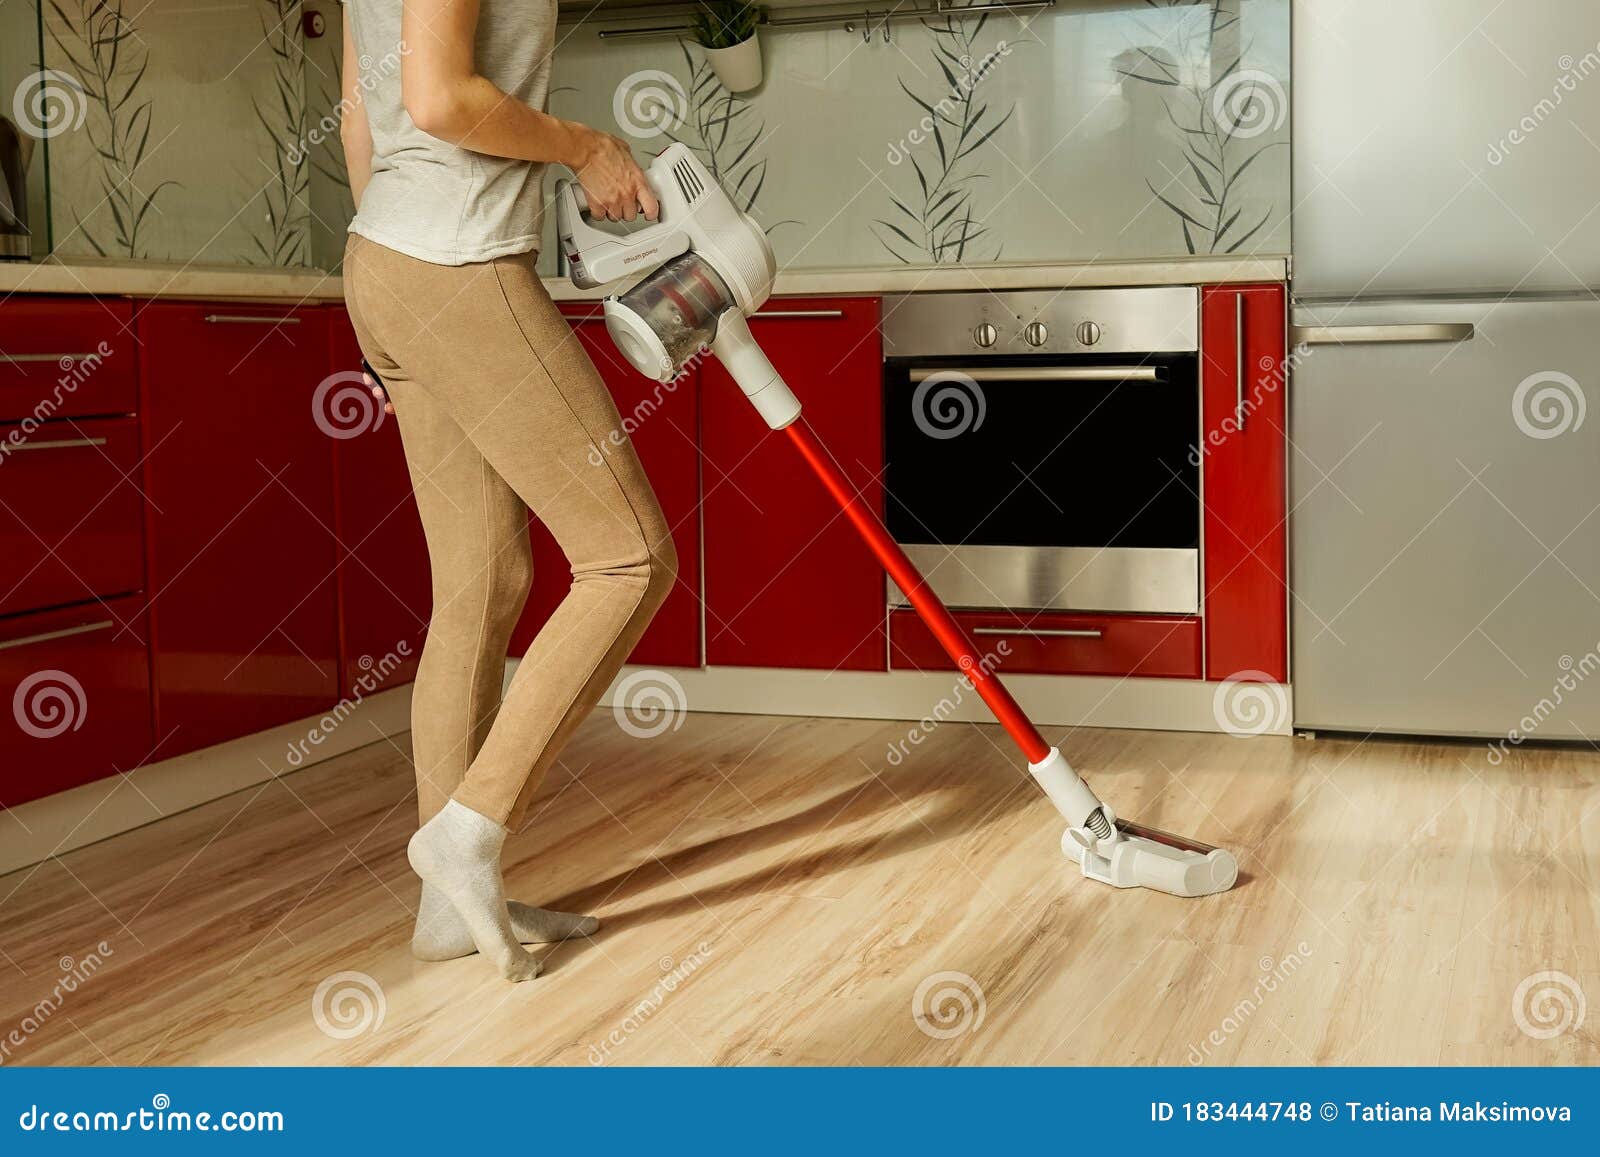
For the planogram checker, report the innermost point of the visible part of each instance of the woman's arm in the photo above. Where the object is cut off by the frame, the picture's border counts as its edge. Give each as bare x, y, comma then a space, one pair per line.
447, 98
354, 132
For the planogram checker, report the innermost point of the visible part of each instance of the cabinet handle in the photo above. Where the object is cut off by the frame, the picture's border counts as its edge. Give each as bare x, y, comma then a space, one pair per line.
1238, 359
65, 632
20, 358
1382, 334
782, 314
249, 319
58, 444
1043, 632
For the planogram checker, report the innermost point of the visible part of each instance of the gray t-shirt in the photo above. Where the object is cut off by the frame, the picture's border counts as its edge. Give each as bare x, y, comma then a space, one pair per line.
428, 198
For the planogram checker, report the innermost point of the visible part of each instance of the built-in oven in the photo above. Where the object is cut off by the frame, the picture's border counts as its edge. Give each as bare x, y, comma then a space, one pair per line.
1039, 447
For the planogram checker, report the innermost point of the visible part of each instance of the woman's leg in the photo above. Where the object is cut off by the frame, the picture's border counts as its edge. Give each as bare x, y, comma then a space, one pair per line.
483, 347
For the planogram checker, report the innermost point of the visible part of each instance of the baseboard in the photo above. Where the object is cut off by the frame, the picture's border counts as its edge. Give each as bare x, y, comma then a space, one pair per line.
47, 827
1049, 700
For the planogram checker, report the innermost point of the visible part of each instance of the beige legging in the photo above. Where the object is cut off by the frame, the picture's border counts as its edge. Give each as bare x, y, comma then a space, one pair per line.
501, 411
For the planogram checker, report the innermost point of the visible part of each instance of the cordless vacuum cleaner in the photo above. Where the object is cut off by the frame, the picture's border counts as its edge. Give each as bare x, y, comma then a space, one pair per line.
706, 267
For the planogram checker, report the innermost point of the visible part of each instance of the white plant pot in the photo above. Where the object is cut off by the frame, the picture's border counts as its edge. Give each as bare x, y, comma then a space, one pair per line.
738, 67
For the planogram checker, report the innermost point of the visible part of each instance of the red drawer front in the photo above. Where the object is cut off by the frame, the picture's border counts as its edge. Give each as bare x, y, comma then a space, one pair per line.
64, 358
71, 513
76, 688
1147, 646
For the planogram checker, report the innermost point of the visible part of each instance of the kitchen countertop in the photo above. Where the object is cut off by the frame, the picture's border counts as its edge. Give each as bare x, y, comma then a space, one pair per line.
150, 279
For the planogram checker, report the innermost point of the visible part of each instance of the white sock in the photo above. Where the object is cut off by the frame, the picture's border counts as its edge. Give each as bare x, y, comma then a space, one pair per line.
442, 934
458, 852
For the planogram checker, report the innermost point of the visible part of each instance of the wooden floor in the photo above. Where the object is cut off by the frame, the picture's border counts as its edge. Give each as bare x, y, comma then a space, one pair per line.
775, 891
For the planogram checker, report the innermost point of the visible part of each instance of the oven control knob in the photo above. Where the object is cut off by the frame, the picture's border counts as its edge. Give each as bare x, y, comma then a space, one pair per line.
986, 334
1088, 333
1036, 334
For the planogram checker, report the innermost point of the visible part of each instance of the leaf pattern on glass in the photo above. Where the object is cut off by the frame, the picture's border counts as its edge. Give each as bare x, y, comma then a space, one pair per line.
284, 237
1204, 191
103, 47
940, 222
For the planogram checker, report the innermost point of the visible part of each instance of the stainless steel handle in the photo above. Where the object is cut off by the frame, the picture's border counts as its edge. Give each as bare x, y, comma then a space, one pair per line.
20, 358
1381, 334
1043, 374
64, 633
1043, 632
1238, 359
58, 444
775, 314
249, 319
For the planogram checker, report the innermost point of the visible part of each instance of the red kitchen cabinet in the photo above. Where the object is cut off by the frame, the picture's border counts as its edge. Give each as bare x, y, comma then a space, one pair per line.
1056, 643
1243, 379
71, 512
77, 683
662, 420
385, 588
240, 519
66, 358
788, 583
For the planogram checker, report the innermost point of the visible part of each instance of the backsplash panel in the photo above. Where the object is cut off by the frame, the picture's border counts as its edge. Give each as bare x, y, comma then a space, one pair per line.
1092, 132
1096, 130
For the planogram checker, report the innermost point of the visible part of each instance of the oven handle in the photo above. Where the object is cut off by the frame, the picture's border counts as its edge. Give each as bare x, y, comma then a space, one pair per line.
1041, 373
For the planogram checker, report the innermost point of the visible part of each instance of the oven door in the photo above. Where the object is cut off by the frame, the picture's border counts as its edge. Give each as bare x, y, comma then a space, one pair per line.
1059, 483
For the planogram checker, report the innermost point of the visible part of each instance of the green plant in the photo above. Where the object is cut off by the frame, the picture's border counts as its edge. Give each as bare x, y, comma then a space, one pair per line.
724, 23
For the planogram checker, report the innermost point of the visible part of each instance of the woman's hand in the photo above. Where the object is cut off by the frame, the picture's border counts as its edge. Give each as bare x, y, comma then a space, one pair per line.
613, 183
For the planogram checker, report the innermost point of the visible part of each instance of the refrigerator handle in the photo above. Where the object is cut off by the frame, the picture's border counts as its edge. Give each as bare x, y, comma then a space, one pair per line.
1381, 334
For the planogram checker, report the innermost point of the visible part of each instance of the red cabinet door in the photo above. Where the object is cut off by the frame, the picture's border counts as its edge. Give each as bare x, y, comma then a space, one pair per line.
662, 419
240, 519
385, 589
71, 512
66, 357
1243, 376
788, 583
76, 683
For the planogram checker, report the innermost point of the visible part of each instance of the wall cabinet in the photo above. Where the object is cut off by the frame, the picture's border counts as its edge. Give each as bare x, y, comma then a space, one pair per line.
788, 583
385, 591
240, 519
1244, 441
663, 422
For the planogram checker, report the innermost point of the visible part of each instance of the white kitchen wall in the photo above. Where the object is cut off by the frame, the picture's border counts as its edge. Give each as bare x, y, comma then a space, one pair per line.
1139, 129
